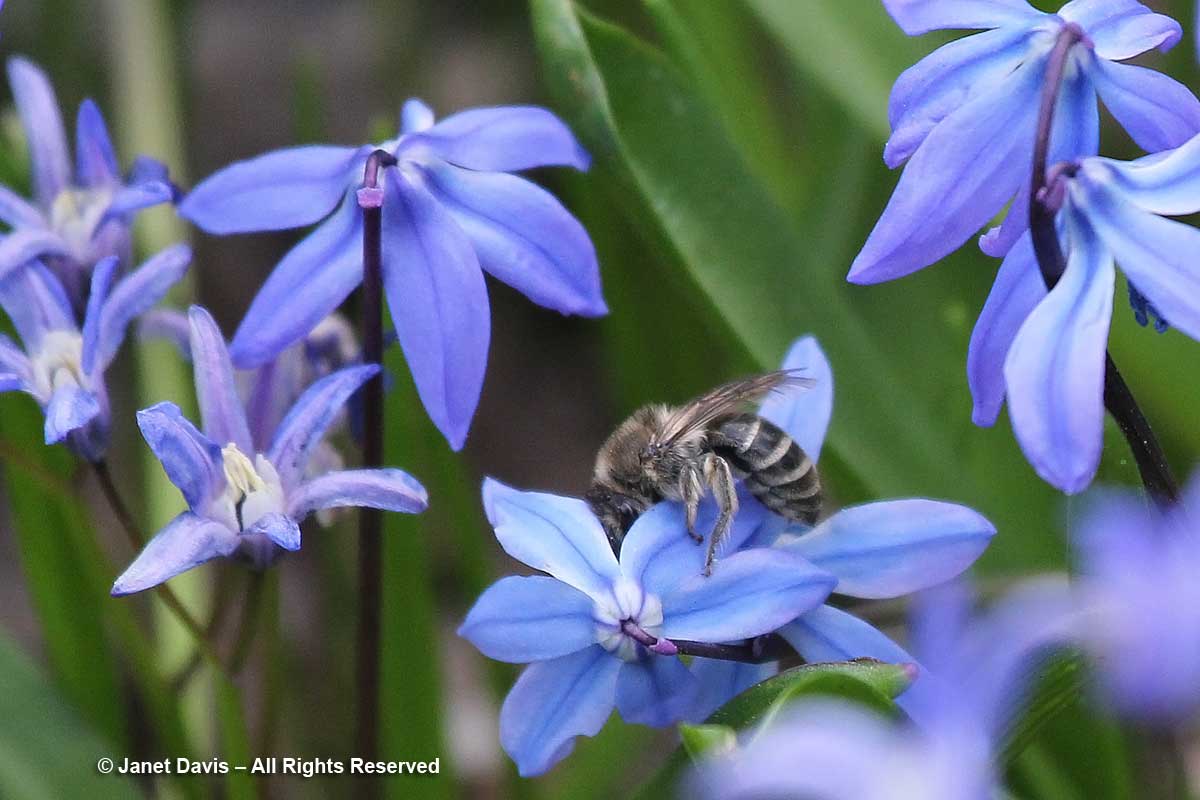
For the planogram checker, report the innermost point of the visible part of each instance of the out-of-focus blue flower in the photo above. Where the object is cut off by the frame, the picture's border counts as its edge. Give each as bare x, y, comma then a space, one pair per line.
61, 365
450, 208
977, 670
879, 550
586, 626
964, 117
1046, 352
242, 501
78, 215
1141, 602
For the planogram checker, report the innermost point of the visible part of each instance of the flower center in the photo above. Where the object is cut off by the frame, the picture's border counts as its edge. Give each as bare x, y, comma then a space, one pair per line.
75, 215
627, 619
252, 489
59, 362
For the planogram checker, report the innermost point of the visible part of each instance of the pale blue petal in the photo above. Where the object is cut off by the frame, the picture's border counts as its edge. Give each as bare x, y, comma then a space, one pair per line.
1163, 183
655, 690
927, 92
557, 535
136, 293
804, 412
191, 460
1121, 29
534, 618
750, 593
310, 417
95, 161
35, 303
415, 116
386, 489
281, 529
17, 212
1055, 368
44, 134
552, 703
1018, 289
310, 282
25, 244
523, 237
281, 189
70, 408
721, 681
893, 548
502, 139
439, 304
921, 16
958, 180
1157, 111
222, 415
187, 541
102, 276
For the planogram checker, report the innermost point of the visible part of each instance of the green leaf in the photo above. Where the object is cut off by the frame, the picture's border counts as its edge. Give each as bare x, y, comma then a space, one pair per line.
1060, 681
47, 751
702, 741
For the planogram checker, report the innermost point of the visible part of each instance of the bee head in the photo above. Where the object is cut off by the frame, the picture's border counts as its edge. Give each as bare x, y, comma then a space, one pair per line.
616, 511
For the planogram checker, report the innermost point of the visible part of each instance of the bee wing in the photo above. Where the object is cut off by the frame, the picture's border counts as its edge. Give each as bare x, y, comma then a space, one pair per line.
726, 399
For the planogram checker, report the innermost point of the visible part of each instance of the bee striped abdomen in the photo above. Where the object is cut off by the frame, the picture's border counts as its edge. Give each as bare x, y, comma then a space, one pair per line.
772, 466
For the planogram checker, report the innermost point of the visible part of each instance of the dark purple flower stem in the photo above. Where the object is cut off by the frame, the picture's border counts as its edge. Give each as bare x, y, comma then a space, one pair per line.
1152, 463
370, 546
760, 650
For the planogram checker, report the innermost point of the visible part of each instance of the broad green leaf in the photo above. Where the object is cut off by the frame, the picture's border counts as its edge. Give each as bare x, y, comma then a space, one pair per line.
47, 750
235, 741
1060, 681
702, 741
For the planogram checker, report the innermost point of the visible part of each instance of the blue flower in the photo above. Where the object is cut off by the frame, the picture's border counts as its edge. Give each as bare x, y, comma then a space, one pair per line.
1141, 603
243, 501
80, 216
1046, 352
449, 209
879, 550
964, 118
62, 366
837, 751
597, 630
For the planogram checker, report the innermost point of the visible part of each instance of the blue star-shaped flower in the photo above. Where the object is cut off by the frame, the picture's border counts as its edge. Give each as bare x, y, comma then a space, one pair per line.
242, 501
964, 117
450, 208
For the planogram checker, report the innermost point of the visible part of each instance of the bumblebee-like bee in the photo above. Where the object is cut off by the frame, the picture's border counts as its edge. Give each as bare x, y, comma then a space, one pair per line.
681, 453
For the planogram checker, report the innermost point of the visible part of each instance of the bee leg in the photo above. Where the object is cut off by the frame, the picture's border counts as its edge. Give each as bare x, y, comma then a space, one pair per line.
718, 476
691, 489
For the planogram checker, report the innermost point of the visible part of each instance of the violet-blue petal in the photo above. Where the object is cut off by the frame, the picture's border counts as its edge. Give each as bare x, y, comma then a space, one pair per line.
70, 408
102, 276
17, 212
386, 489
415, 116
222, 414
1121, 29
281, 189
23, 245
503, 139
523, 237
1157, 111
552, 702
15, 363
922, 16
804, 412
927, 92
10, 382
439, 304
1162, 183
281, 529
35, 303
187, 541
169, 325
749, 593
533, 618
310, 417
721, 681
191, 460
557, 535
136, 293
958, 180
306, 285
896, 547
1018, 288
95, 160
1055, 368
655, 690
137, 196
44, 134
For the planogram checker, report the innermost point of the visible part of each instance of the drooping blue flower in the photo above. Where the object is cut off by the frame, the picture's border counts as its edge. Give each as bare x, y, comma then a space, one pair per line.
450, 208
837, 751
1044, 352
879, 550
964, 118
62, 365
596, 630
243, 501
79, 215
1141, 603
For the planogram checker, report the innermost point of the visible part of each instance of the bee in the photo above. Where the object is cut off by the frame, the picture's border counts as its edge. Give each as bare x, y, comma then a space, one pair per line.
681, 453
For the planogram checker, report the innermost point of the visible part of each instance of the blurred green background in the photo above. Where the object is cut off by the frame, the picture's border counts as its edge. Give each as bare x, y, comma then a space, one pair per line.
738, 169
